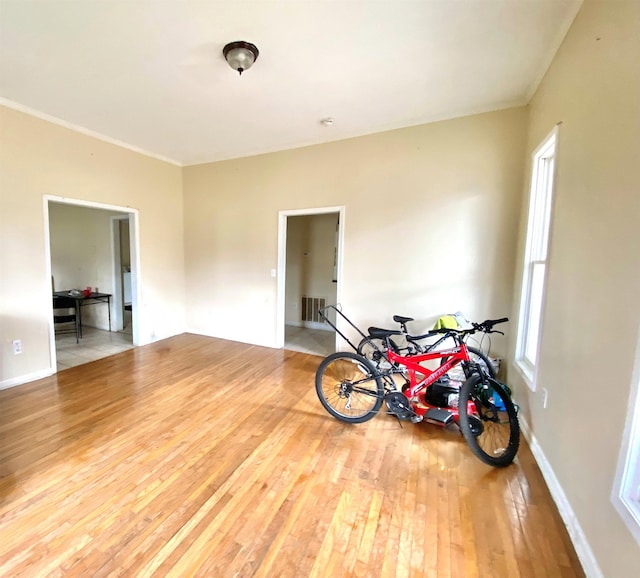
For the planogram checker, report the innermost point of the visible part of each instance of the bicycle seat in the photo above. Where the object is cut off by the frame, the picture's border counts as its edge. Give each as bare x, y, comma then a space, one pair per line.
378, 333
401, 319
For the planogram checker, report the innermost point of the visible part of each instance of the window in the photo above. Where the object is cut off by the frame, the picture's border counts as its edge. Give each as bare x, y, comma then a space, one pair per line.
626, 488
535, 257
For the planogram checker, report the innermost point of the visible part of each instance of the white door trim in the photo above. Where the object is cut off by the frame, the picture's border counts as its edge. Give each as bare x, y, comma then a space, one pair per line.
282, 260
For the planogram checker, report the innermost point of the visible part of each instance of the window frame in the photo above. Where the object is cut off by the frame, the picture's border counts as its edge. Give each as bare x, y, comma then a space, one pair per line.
625, 494
538, 238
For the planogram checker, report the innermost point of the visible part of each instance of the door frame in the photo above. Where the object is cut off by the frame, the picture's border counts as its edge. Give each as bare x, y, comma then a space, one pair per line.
134, 236
282, 260
118, 289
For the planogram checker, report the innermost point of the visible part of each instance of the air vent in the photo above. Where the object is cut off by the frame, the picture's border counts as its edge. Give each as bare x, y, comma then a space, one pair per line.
311, 307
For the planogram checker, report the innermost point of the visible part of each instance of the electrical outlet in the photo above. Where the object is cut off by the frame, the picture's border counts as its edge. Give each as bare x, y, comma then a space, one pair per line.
17, 346
545, 397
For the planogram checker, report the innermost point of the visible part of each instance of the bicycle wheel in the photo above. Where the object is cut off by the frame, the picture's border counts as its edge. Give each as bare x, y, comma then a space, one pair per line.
373, 349
462, 372
491, 429
348, 387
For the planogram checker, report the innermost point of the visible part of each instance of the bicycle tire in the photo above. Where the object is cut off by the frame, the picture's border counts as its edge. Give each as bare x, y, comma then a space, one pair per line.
480, 357
492, 431
348, 387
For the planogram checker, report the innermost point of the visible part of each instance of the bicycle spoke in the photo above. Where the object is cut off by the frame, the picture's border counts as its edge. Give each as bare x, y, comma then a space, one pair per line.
494, 439
492, 430
348, 387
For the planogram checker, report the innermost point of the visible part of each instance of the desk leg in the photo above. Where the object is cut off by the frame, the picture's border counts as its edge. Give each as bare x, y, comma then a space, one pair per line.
109, 310
79, 309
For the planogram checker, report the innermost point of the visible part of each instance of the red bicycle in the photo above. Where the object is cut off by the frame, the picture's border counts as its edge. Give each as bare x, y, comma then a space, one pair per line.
373, 348
352, 389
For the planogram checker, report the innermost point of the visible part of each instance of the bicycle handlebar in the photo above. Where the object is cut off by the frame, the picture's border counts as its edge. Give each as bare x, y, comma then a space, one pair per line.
487, 325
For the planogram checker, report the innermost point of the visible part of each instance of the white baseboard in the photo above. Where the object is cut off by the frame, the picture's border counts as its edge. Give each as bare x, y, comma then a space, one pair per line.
580, 542
7, 383
309, 325
268, 344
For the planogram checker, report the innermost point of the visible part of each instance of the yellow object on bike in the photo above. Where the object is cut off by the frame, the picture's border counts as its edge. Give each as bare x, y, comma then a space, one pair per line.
446, 322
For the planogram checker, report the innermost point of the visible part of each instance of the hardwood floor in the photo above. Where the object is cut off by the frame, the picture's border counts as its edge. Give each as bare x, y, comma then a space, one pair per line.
195, 456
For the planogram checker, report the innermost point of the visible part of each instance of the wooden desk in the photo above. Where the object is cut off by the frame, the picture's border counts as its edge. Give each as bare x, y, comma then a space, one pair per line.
81, 301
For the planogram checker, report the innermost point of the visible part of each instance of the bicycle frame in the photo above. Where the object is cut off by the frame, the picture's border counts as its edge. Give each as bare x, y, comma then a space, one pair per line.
417, 386
413, 347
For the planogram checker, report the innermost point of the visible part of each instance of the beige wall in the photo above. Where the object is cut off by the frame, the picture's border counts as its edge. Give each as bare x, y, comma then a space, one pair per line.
431, 215
311, 242
592, 311
38, 158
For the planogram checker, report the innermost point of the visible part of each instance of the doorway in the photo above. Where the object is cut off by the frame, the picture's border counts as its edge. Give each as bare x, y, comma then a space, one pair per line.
86, 244
310, 265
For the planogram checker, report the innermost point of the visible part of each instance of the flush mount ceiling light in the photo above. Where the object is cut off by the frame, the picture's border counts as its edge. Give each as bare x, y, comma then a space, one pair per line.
240, 55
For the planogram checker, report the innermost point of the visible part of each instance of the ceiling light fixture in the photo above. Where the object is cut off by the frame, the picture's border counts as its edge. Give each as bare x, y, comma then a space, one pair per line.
240, 55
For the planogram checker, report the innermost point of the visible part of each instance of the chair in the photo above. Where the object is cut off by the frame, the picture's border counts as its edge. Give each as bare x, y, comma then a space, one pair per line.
65, 316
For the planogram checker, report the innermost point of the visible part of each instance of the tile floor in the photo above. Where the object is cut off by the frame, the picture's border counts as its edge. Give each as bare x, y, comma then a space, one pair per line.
95, 344
315, 341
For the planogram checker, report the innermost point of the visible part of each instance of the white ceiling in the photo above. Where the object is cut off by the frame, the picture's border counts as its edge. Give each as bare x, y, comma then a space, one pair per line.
150, 73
